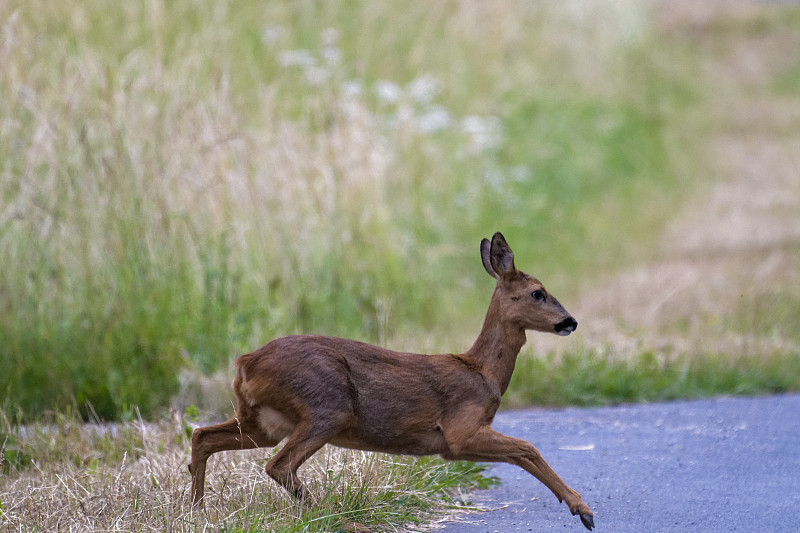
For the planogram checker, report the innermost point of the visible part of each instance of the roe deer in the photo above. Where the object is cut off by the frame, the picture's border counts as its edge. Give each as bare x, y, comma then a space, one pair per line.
317, 390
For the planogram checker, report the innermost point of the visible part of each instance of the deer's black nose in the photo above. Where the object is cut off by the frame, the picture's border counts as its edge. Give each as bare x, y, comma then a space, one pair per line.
566, 326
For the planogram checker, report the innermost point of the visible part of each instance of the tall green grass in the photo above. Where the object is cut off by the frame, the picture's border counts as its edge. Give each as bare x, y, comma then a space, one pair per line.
182, 181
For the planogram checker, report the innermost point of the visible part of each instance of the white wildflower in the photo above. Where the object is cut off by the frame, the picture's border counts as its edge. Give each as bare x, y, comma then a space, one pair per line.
330, 36
436, 118
424, 89
272, 35
332, 56
351, 89
387, 91
485, 133
314, 75
296, 58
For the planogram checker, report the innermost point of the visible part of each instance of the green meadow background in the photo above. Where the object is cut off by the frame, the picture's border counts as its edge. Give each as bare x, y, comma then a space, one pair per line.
182, 181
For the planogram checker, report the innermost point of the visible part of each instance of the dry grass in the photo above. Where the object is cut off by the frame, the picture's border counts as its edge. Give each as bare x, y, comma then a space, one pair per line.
64, 475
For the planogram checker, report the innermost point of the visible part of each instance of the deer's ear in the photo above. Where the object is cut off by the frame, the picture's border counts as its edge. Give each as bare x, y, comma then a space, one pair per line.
486, 250
500, 255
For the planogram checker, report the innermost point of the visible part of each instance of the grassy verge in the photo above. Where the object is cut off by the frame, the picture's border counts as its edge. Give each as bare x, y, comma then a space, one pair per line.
64, 474
595, 378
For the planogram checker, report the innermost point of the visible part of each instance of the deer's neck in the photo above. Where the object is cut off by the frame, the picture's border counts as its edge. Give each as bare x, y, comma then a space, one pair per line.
496, 348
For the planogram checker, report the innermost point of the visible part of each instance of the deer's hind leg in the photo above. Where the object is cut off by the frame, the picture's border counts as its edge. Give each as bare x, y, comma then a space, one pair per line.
238, 433
305, 440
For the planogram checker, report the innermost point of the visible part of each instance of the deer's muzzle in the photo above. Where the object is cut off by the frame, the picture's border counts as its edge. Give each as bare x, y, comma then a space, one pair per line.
566, 326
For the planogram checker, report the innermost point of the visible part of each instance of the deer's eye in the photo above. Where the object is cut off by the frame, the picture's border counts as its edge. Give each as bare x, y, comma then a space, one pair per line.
538, 295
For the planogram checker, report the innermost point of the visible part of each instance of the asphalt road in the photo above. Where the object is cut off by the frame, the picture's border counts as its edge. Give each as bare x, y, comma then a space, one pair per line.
728, 464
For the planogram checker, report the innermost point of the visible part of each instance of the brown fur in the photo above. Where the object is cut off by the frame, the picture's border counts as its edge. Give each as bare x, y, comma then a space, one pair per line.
317, 390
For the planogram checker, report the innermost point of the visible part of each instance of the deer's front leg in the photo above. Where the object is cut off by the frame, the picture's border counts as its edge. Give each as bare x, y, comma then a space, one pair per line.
486, 444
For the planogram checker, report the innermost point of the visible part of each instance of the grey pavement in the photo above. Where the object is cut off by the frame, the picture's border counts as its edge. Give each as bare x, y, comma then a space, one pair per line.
727, 464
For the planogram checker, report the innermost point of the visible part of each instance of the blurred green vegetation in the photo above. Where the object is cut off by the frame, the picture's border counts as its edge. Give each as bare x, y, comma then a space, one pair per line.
589, 377
182, 181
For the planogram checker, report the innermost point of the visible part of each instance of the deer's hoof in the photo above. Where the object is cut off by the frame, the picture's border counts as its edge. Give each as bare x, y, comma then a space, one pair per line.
588, 521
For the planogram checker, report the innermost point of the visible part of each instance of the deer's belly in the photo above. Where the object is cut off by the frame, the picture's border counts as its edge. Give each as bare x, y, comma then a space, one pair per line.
422, 442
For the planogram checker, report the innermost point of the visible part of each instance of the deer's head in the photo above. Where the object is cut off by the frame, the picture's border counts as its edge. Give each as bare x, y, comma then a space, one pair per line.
522, 299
